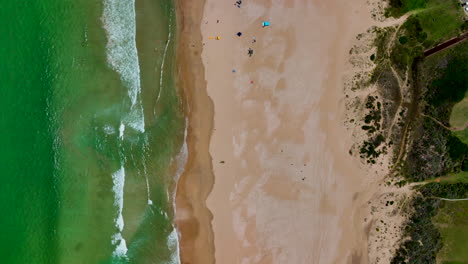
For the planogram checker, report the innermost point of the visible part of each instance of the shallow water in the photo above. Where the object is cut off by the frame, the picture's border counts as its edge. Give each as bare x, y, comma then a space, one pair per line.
88, 151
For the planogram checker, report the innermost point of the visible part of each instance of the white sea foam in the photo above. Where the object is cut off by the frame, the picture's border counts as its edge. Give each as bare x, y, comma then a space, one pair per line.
182, 156
164, 59
121, 130
173, 244
120, 25
135, 119
181, 162
150, 202
121, 245
118, 179
145, 171
109, 130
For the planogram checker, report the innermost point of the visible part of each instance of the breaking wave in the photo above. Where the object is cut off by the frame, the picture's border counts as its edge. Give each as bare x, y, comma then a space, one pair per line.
118, 179
120, 25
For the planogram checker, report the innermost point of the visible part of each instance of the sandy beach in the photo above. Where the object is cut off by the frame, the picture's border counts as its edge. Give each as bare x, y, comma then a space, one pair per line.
278, 181
193, 219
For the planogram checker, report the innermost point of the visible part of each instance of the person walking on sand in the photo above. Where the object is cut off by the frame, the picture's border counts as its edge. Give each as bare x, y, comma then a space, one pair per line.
250, 52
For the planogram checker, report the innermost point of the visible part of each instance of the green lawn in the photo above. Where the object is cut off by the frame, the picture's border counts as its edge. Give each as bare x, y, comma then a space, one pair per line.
400, 7
428, 25
462, 135
441, 20
459, 114
452, 221
455, 177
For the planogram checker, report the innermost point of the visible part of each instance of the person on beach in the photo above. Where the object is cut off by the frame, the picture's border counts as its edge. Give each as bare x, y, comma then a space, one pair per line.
250, 52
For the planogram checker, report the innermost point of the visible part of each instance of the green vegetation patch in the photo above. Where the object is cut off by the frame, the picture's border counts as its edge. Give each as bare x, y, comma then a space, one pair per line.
426, 28
424, 239
436, 150
462, 135
453, 178
382, 42
458, 82
452, 221
400, 7
459, 116
441, 20
436, 20
453, 84
422, 230
457, 190
371, 149
438, 83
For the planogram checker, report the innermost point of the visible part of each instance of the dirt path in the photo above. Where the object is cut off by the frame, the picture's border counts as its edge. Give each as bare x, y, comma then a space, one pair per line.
454, 129
402, 83
452, 200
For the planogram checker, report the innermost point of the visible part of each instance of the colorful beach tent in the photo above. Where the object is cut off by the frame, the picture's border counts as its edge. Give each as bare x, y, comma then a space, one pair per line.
265, 23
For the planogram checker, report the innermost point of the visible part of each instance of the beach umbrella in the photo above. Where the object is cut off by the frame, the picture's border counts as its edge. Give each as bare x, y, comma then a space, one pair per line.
239, 34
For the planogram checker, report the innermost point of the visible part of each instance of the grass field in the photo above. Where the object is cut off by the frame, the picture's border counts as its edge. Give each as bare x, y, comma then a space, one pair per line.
443, 77
455, 177
441, 20
431, 22
439, 17
459, 114
462, 135
452, 221
400, 7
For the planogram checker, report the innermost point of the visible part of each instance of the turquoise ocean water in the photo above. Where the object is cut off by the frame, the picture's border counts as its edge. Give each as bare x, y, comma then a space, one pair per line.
91, 131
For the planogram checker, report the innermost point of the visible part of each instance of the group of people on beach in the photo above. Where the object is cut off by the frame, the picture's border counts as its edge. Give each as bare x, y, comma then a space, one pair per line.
250, 51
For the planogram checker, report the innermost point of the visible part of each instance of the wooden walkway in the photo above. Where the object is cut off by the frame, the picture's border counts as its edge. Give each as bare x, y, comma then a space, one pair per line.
446, 44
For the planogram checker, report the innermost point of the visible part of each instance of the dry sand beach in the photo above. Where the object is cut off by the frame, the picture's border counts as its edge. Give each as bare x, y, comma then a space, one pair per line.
278, 181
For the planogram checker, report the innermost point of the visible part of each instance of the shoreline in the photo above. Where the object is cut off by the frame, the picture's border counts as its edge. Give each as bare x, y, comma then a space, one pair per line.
193, 219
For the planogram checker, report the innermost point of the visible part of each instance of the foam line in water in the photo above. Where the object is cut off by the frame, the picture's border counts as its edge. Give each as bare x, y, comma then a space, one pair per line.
181, 162
173, 243
118, 179
164, 59
121, 246
145, 171
135, 119
121, 130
